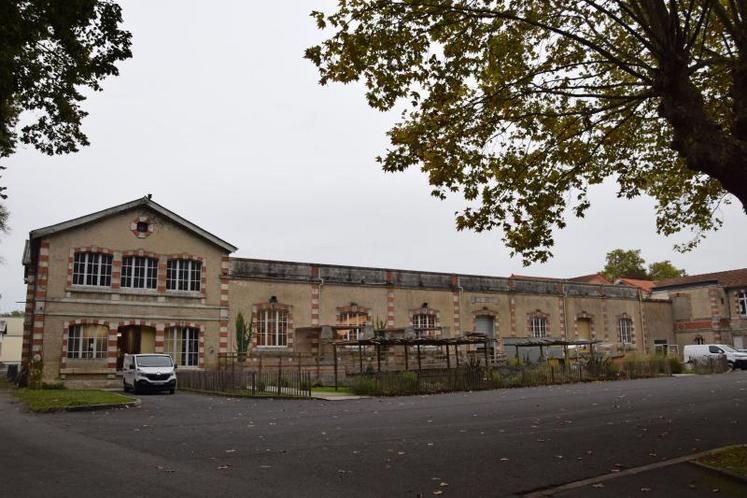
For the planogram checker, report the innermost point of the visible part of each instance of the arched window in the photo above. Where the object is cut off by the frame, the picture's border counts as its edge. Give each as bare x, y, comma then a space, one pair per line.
92, 268
183, 344
87, 341
425, 323
139, 272
742, 302
183, 275
625, 330
272, 326
352, 321
538, 326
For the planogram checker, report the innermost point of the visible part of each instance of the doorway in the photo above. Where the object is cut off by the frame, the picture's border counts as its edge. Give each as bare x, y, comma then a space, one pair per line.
485, 324
583, 326
134, 339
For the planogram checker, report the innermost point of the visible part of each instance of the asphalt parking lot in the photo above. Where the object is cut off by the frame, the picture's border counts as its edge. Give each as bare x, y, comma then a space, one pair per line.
490, 443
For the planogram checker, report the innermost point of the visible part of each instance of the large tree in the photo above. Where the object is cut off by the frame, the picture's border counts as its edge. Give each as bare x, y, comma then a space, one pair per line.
662, 270
522, 105
50, 50
624, 263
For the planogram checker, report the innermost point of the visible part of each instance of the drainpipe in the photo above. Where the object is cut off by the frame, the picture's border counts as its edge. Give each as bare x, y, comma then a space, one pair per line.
640, 317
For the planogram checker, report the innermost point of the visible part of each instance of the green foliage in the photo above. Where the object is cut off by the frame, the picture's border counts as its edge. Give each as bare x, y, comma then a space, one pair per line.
675, 365
244, 333
630, 264
662, 270
50, 52
522, 106
48, 400
364, 385
622, 263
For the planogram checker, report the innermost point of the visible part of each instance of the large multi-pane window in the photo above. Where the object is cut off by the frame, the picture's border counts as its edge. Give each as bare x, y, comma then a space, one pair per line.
625, 330
92, 268
353, 323
742, 302
424, 324
182, 343
272, 327
538, 326
139, 272
87, 341
183, 274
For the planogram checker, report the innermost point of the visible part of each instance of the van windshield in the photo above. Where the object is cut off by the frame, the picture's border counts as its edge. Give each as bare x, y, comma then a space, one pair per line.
728, 348
154, 361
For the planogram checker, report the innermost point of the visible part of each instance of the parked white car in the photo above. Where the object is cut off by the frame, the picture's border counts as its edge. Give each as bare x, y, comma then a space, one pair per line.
701, 352
148, 371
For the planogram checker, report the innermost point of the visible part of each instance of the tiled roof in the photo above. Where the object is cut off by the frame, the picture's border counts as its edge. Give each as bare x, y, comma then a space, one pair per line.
730, 278
594, 278
645, 285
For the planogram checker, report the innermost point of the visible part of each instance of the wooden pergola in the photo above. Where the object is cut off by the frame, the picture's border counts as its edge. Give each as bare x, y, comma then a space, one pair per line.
406, 343
543, 342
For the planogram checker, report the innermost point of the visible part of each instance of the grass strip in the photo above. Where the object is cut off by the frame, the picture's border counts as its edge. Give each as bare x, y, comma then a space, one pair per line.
733, 460
50, 400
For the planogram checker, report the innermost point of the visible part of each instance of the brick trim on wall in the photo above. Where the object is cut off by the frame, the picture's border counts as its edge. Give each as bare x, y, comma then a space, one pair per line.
715, 314
40, 296
224, 305
389, 299
146, 219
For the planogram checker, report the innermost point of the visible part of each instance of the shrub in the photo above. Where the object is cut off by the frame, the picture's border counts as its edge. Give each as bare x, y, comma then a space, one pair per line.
363, 385
675, 365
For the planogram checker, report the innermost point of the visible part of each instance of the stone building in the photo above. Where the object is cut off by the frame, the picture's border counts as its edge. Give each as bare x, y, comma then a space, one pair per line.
707, 308
139, 278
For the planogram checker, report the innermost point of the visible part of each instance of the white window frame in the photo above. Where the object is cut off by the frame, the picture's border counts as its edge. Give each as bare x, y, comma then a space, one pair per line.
189, 338
183, 275
272, 328
139, 272
742, 302
625, 330
92, 269
80, 347
356, 320
538, 327
424, 324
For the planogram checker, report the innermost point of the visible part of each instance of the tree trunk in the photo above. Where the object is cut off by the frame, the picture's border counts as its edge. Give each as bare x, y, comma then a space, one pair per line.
704, 146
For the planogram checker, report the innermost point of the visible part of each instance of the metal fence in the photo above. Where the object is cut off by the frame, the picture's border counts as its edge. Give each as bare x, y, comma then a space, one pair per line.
242, 382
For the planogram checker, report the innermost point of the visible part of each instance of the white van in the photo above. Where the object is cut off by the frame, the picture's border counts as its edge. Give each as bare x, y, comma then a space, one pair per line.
148, 371
700, 352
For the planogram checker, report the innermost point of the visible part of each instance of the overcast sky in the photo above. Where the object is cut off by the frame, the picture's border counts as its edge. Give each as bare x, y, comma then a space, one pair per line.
222, 120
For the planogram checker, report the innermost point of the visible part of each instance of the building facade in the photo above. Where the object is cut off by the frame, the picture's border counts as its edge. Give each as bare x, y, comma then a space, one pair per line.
139, 278
708, 308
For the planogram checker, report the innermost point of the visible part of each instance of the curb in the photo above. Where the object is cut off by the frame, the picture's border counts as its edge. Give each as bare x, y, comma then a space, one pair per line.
553, 490
719, 470
91, 408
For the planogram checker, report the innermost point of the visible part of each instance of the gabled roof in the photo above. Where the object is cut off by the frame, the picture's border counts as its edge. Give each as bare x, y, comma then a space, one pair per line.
594, 278
730, 278
144, 202
644, 285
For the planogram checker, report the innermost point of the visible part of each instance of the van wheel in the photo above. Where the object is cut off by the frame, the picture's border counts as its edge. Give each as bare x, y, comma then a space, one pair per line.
135, 390
172, 390
124, 386
731, 365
